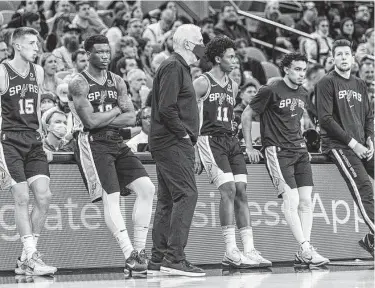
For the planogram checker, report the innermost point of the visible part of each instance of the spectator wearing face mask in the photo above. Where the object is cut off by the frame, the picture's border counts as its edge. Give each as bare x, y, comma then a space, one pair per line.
70, 45
62, 92
143, 117
47, 101
55, 122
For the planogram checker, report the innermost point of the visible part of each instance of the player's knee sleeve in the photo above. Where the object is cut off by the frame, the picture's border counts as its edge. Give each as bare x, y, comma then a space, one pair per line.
145, 190
112, 213
305, 202
291, 202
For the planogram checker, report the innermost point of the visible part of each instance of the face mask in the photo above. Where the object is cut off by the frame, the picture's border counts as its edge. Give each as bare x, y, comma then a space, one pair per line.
59, 130
198, 51
44, 107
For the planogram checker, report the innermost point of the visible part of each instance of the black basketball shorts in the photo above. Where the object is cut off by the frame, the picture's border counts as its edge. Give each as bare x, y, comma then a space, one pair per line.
107, 166
22, 158
292, 168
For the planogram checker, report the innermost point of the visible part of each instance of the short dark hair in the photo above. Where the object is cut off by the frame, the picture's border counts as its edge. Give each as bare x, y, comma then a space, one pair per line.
319, 20
313, 69
22, 31
341, 43
76, 53
239, 41
205, 21
95, 39
218, 46
29, 17
287, 60
121, 64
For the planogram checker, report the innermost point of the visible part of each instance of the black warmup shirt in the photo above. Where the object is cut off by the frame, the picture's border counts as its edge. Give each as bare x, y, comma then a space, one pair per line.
174, 108
281, 109
344, 111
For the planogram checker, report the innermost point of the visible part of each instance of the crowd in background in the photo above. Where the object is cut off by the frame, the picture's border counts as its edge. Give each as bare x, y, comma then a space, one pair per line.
141, 40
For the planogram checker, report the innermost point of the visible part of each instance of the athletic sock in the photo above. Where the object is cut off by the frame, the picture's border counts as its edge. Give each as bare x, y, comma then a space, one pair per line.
140, 236
247, 239
36, 238
123, 240
23, 255
305, 245
229, 237
28, 245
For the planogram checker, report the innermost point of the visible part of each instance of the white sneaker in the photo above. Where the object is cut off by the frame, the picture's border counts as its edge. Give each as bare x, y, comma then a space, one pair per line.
236, 259
21, 267
309, 256
256, 256
317, 259
36, 266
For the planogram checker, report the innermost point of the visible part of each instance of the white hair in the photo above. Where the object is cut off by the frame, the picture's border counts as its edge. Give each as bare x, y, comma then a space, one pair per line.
131, 74
183, 33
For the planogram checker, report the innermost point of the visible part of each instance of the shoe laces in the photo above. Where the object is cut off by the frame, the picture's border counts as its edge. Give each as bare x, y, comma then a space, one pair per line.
188, 264
256, 253
38, 258
142, 256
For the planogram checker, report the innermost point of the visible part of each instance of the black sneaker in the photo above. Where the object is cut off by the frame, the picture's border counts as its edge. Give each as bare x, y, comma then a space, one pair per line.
153, 268
367, 244
135, 264
182, 268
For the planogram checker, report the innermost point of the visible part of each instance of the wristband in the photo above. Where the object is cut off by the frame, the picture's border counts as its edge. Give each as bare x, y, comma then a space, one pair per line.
352, 143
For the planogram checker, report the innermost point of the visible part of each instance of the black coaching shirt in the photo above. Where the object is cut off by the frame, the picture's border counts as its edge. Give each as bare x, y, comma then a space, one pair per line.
174, 108
281, 109
344, 111
19, 101
216, 108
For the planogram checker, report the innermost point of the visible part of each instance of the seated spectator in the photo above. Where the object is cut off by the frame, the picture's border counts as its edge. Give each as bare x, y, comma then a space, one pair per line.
62, 8
27, 19
49, 63
366, 48
155, 32
334, 19
56, 36
180, 20
64, 53
347, 32
55, 122
63, 105
250, 64
325, 42
146, 52
135, 143
87, 20
137, 12
366, 73
195, 72
362, 22
4, 52
237, 76
229, 26
167, 45
118, 30
124, 66
135, 29
125, 47
137, 88
47, 101
328, 64
157, 60
306, 24
248, 91
207, 25
80, 61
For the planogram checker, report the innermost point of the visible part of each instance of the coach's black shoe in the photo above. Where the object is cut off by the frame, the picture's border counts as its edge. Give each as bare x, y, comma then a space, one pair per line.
367, 244
182, 268
135, 264
153, 268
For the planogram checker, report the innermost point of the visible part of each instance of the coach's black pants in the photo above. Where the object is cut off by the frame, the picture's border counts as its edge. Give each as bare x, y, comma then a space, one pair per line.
355, 172
177, 197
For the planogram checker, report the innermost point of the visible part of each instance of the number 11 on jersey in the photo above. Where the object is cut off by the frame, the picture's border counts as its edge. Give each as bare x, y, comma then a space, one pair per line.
222, 114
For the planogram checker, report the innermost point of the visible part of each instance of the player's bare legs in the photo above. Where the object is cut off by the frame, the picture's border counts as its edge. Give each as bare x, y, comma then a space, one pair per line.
20, 193
226, 210
242, 215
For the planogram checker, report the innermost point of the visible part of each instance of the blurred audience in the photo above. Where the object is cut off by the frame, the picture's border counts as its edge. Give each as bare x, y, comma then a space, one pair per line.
155, 32
139, 142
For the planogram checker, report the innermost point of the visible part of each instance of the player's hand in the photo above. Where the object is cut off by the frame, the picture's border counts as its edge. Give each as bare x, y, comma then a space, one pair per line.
370, 146
254, 155
118, 110
49, 155
360, 150
198, 166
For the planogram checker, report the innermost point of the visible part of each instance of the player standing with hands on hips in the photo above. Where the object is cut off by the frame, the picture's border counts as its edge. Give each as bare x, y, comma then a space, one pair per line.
281, 107
347, 131
22, 158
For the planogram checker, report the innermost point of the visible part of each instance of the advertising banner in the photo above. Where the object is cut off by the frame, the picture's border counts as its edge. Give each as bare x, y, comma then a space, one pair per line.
75, 234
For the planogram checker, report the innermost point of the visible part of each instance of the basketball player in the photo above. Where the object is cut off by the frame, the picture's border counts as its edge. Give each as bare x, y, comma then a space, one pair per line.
347, 129
23, 162
102, 107
281, 107
221, 154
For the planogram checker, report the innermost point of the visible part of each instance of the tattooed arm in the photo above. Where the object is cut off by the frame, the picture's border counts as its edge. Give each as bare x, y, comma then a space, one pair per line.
78, 89
127, 118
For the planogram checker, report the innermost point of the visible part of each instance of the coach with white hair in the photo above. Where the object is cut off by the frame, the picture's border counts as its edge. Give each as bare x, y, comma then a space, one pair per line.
173, 133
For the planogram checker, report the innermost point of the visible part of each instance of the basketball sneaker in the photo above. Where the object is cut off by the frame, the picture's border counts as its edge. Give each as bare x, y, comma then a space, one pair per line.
36, 266
309, 257
182, 268
256, 256
21, 267
367, 244
153, 268
236, 259
135, 264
